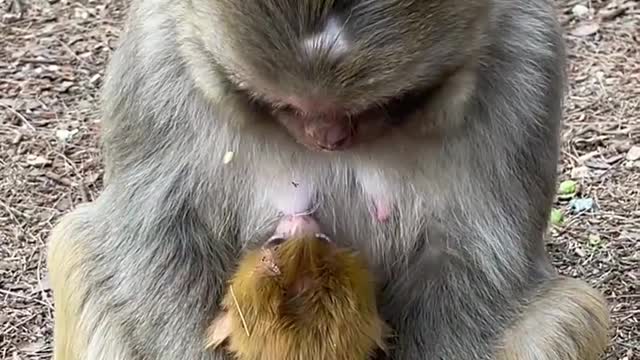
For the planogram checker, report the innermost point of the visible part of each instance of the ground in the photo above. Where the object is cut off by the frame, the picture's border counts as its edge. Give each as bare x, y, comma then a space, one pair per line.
52, 61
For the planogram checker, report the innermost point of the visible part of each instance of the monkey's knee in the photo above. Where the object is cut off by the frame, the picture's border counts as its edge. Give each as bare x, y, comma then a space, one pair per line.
65, 261
566, 320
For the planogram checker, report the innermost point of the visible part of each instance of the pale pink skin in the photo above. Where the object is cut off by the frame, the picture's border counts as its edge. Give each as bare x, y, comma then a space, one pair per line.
382, 209
293, 196
379, 193
296, 225
295, 201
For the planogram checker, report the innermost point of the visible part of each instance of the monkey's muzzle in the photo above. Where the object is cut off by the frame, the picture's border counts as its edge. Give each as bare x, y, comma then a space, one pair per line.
295, 226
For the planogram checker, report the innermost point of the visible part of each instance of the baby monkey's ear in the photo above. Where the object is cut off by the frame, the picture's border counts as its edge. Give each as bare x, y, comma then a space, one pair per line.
219, 330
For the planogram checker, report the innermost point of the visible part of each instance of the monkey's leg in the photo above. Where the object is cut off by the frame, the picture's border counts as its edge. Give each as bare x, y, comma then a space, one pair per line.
79, 330
566, 319
65, 258
125, 292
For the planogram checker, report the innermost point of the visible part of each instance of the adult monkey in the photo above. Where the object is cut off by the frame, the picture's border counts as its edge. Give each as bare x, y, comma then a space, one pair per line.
441, 116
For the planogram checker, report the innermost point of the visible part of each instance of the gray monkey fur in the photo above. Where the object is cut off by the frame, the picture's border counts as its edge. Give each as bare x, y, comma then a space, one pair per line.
462, 266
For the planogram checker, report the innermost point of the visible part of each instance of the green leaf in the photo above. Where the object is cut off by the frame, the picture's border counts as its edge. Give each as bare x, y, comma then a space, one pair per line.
568, 187
557, 217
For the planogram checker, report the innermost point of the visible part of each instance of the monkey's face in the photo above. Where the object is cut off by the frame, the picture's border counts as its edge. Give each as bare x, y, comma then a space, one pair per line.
302, 296
339, 73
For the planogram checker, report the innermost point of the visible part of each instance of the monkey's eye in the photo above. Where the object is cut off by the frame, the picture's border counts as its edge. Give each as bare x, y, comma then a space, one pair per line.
284, 109
274, 241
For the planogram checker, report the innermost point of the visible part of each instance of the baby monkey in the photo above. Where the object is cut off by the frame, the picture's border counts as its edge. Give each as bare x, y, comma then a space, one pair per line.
300, 296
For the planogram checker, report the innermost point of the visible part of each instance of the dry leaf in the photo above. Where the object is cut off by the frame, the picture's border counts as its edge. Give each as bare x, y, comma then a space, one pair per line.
64, 135
586, 29
7, 265
32, 347
580, 172
35, 160
580, 10
45, 284
634, 153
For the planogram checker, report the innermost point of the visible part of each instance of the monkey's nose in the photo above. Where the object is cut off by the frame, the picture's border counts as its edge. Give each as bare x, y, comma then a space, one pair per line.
335, 138
331, 137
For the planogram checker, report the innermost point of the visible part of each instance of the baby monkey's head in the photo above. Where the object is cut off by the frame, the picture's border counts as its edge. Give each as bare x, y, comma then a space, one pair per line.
300, 296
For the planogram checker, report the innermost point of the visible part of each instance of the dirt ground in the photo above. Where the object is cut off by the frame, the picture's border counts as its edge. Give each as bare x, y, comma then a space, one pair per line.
52, 63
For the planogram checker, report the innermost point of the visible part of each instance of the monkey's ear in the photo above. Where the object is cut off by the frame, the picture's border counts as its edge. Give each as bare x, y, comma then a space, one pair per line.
219, 330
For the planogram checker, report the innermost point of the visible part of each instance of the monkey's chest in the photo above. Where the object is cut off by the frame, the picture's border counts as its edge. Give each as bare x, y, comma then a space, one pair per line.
363, 207
355, 212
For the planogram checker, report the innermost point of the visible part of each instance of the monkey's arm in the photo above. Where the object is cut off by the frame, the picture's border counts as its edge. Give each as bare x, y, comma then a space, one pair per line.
139, 272
486, 287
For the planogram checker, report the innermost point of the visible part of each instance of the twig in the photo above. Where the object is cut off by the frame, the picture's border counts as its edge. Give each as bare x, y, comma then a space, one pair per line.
42, 292
607, 15
11, 293
244, 323
73, 53
20, 116
84, 193
11, 214
55, 177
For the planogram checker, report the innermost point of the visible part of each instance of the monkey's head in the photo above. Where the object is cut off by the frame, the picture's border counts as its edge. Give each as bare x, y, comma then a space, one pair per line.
300, 298
339, 73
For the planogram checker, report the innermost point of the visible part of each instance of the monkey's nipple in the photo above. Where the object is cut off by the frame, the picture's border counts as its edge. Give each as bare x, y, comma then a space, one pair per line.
381, 210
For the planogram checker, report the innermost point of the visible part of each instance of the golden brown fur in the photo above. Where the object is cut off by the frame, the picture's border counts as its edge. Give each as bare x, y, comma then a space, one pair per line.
570, 307
63, 259
304, 299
